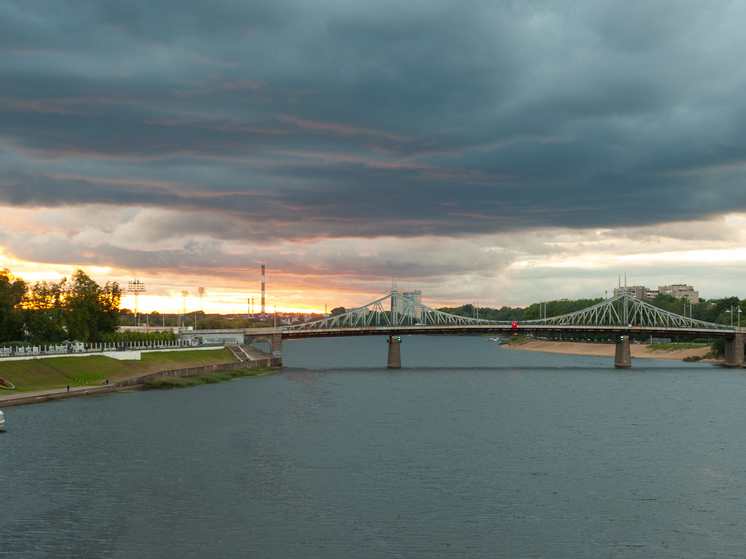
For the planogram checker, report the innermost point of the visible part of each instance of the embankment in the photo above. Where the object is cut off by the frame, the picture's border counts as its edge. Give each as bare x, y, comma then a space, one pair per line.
85, 376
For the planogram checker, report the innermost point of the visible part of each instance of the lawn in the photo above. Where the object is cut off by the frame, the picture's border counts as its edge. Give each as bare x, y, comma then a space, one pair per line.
57, 372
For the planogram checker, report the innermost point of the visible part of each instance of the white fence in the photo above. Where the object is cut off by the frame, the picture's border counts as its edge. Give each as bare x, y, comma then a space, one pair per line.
79, 347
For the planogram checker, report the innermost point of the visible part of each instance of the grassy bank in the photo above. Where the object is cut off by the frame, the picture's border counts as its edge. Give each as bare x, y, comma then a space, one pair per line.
514, 340
57, 372
206, 378
676, 347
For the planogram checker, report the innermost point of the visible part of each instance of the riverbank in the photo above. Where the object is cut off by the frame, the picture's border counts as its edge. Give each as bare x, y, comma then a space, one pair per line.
91, 370
47, 380
638, 351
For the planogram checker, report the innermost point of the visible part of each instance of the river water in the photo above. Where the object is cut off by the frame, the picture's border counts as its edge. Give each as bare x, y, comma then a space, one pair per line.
470, 450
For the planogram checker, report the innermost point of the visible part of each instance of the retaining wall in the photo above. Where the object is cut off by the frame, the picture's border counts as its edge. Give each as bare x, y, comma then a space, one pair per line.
272, 362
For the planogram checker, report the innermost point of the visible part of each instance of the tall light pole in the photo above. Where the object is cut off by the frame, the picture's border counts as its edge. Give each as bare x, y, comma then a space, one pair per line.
201, 291
136, 286
184, 294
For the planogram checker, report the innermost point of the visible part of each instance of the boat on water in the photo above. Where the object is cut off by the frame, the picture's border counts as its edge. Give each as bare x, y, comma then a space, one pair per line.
2, 420
494, 339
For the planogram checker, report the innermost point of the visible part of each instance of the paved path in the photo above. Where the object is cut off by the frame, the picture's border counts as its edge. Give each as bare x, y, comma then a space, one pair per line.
16, 399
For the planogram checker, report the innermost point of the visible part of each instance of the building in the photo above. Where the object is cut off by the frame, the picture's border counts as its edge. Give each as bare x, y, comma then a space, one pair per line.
636, 291
680, 291
415, 296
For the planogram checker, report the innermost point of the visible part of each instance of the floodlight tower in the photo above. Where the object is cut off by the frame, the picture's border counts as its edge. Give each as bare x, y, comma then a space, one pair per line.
184, 294
201, 291
136, 286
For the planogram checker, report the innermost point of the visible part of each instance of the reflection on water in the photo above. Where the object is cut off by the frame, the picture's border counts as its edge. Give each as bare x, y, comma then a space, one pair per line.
470, 450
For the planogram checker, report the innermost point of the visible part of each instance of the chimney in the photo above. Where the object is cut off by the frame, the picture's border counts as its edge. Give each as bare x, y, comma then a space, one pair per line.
263, 309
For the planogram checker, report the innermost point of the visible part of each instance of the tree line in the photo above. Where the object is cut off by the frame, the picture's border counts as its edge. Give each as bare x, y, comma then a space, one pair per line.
75, 308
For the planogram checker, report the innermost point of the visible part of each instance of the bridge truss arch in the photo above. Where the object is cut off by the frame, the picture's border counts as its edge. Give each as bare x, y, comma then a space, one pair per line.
620, 312
625, 310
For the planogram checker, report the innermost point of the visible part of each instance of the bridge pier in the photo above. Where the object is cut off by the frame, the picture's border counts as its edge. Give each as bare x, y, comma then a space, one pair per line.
734, 354
622, 357
273, 338
394, 352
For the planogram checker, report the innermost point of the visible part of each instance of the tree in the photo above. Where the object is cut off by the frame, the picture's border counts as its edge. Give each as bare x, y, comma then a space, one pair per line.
12, 293
44, 312
77, 309
338, 311
91, 310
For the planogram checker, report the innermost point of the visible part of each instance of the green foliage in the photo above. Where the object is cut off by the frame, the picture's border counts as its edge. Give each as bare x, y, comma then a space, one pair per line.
675, 347
220, 323
557, 308
12, 292
502, 314
532, 312
718, 348
205, 378
338, 311
76, 309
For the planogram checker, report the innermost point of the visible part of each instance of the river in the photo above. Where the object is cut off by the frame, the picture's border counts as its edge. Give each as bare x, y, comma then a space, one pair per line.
470, 450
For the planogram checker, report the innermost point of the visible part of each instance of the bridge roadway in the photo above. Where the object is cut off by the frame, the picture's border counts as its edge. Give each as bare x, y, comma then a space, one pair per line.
734, 337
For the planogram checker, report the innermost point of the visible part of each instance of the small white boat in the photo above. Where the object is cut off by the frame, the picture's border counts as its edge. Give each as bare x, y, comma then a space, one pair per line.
2, 420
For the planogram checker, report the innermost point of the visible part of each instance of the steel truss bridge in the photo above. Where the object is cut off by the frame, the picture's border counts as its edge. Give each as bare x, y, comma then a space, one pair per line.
617, 317
395, 315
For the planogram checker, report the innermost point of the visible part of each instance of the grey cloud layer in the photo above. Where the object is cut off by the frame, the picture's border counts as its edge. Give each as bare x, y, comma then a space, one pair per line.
317, 119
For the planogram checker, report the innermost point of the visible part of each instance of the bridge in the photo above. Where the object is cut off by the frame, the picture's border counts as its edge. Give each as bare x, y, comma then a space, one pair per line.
616, 318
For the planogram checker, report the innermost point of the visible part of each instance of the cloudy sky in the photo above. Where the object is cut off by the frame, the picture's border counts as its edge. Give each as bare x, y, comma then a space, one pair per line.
503, 151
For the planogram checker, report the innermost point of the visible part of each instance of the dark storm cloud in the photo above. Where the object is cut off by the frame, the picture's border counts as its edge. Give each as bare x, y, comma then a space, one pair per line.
318, 119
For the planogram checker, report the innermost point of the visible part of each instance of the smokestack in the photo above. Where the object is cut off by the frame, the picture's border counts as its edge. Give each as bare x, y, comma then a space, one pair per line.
263, 313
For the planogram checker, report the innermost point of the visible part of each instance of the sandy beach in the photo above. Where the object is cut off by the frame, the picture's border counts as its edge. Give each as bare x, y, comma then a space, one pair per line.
607, 350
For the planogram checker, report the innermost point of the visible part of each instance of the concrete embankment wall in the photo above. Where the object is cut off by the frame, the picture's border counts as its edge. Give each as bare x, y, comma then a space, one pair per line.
193, 371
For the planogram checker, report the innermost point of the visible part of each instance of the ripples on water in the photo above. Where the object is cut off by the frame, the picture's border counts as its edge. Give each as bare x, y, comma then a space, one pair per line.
469, 451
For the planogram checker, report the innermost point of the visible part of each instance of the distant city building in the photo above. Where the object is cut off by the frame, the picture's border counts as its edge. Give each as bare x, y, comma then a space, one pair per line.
678, 290
415, 296
636, 291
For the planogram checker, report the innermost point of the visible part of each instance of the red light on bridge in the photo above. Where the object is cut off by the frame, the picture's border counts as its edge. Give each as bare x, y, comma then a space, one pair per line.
514, 325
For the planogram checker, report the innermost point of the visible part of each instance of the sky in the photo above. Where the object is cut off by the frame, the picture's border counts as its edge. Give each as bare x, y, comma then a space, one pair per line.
504, 152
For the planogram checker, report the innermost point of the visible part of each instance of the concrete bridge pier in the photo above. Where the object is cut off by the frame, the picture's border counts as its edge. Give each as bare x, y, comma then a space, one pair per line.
734, 351
394, 352
272, 337
622, 358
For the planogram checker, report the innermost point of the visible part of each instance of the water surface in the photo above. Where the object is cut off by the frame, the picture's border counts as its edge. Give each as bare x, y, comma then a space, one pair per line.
470, 450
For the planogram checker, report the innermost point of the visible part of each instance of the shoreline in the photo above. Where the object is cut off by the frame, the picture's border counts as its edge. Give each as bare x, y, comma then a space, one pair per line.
135, 377
637, 351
